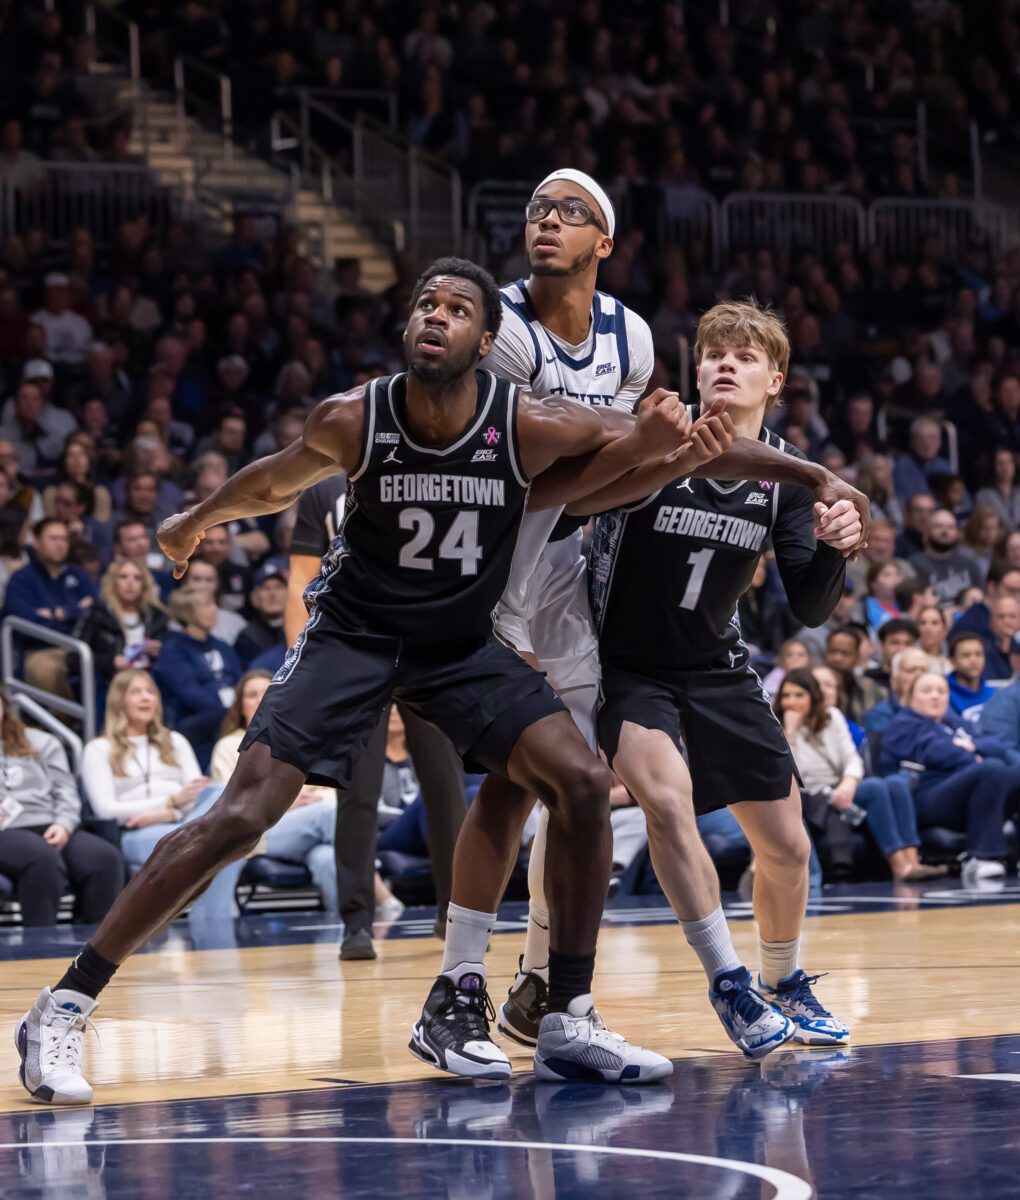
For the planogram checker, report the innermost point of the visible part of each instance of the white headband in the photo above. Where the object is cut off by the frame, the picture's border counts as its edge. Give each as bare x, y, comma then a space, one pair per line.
591, 187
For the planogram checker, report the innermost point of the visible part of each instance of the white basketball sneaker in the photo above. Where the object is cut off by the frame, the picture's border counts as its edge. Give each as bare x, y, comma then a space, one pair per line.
576, 1046
51, 1040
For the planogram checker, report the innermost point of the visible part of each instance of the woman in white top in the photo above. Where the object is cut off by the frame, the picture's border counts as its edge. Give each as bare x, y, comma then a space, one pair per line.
147, 779
829, 765
306, 831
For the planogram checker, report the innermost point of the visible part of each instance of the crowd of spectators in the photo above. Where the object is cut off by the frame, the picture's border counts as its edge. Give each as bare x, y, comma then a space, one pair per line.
138, 374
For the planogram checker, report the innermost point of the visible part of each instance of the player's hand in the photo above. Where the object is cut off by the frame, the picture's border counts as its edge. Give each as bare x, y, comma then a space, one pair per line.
712, 434
663, 423
833, 523
179, 540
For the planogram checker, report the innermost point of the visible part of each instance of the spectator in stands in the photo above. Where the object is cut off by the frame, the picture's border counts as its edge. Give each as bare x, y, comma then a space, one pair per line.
43, 847
196, 672
1000, 491
932, 629
133, 541
914, 595
19, 168
78, 466
968, 687
68, 334
875, 480
229, 440
916, 515
833, 776
217, 548
304, 833
74, 505
906, 666
895, 635
146, 778
947, 567
178, 436
52, 593
983, 532
1000, 717
880, 603
793, 654
35, 429
1003, 625
842, 654
911, 472
880, 551
269, 600
966, 783
126, 626
141, 503
229, 624
832, 694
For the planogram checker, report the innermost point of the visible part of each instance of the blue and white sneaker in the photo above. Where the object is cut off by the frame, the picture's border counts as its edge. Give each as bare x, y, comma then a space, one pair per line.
754, 1025
815, 1025
51, 1042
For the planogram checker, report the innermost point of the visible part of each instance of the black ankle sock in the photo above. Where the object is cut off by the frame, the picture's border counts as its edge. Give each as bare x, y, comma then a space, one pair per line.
89, 973
569, 976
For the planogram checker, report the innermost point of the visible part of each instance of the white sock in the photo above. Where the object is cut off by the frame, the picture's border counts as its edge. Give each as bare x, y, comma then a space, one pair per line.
467, 939
778, 960
710, 940
536, 944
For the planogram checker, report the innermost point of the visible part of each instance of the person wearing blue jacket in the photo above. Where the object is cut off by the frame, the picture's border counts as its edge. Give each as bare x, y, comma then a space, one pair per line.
196, 672
969, 690
49, 592
1000, 717
967, 782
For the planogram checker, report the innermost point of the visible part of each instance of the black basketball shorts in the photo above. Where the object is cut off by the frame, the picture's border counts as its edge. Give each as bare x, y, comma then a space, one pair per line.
325, 701
719, 717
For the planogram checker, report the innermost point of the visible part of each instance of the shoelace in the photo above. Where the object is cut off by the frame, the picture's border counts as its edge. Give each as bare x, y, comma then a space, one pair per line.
803, 994
747, 1004
474, 1010
67, 1049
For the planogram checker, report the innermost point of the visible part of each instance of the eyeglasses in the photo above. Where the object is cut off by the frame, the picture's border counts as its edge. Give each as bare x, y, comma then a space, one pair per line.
571, 211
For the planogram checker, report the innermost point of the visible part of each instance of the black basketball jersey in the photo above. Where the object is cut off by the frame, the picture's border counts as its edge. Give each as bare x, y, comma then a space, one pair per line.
667, 572
428, 535
319, 517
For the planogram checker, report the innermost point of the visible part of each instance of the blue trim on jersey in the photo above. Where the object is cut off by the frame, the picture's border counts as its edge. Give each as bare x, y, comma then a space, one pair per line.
601, 323
622, 348
520, 310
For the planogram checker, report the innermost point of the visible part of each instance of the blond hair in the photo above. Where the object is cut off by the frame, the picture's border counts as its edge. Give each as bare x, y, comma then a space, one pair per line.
184, 601
746, 323
108, 588
115, 728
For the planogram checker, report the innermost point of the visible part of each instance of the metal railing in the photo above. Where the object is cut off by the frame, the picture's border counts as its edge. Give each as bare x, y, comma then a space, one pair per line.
85, 712
115, 36
690, 215
900, 226
98, 196
41, 716
350, 103
787, 222
206, 95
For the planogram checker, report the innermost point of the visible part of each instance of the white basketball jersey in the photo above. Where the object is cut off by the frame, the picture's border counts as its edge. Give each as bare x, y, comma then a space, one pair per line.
611, 368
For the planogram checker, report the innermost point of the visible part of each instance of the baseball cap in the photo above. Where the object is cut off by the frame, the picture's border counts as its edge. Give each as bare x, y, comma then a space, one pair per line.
37, 368
269, 570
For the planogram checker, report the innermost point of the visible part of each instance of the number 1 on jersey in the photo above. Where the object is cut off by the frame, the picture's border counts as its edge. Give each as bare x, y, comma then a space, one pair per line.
699, 560
460, 543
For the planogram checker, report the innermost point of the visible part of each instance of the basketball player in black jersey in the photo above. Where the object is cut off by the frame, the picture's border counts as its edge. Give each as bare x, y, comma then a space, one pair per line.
669, 563
439, 464
436, 763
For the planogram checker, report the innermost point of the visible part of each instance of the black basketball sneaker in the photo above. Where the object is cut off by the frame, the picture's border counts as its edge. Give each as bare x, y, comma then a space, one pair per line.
453, 1030
526, 1004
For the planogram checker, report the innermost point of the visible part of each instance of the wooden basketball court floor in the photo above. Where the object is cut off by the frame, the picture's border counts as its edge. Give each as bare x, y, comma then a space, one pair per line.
267, 1067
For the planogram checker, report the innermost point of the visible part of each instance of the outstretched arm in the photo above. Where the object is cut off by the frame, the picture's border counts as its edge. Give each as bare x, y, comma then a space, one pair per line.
746, 458
569, 449
331, 442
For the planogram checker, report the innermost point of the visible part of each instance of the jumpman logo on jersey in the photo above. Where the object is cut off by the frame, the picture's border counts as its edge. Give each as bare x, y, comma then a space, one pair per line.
686, 485
392, 456
734, 657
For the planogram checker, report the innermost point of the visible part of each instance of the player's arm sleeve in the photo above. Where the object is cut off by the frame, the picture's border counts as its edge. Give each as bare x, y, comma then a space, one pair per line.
812, 572
515, 355
641, 361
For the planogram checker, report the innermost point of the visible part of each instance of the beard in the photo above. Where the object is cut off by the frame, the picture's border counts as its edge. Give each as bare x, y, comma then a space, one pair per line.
447, 369
941, 545
581, 263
